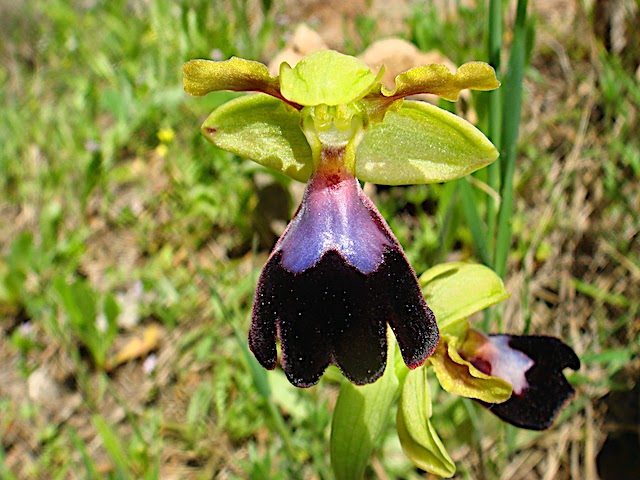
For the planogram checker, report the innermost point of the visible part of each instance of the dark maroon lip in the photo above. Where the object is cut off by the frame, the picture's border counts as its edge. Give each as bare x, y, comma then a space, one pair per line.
333, 314
334, 280
537, 406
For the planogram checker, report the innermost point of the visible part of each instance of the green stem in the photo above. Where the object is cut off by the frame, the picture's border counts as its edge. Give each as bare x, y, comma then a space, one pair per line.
510, 128
494, 44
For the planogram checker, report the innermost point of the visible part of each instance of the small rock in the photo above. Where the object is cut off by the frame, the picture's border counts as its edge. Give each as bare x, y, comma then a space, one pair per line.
303, 42
42, 388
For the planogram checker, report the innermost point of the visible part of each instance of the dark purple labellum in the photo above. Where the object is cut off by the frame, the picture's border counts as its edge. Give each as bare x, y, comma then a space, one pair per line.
535, 404
334, 280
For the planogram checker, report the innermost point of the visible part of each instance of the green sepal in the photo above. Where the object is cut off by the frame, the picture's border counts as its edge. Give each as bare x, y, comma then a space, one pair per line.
421, 143
359, 418
326, 77
460, 377
457, 290
418, 438
438, 80
236, 74
261, 128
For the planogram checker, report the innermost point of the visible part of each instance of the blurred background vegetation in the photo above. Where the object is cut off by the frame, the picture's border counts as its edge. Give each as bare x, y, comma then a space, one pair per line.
130, 248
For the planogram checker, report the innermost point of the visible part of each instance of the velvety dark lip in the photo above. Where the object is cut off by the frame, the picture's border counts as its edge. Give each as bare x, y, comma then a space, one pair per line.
548, 392
334, 280
334, 314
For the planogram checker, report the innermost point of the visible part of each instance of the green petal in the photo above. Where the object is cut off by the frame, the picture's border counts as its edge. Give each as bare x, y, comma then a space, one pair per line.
460, 377
359, 418
457, 290
421, 143
262, 129
437, 79
418, 438
237, 74
326, 77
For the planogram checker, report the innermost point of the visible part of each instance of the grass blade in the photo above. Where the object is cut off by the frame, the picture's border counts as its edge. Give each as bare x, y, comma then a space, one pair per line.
510, 129
113, 446
89, 465
494, 46
469, 206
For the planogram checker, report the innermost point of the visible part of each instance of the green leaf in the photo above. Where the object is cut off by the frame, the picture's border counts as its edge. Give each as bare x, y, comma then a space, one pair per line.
92, 176
358, 419
326, 77
286, 396
437, 79
111, 311
460, 377
418, 438
236, 74
421, 143
456, 290
13, 273
262, 129
79, 303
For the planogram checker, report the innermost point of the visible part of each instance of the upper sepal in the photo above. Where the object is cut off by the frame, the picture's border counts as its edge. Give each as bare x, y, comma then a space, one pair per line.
261, 128
421, 143
326, 77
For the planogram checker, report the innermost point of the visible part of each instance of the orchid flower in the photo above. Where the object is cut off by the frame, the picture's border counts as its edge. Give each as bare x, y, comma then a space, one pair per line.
533, 365
338, 275
518, 378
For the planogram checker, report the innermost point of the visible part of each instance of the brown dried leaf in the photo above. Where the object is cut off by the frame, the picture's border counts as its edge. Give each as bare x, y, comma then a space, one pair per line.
137, 346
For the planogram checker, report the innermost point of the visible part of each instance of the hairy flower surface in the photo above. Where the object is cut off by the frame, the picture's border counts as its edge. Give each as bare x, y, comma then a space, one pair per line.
338, 275
335, 278
533, 366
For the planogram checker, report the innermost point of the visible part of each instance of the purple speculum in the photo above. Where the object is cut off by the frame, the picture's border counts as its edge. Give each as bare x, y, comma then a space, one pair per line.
335, 215
334, 280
